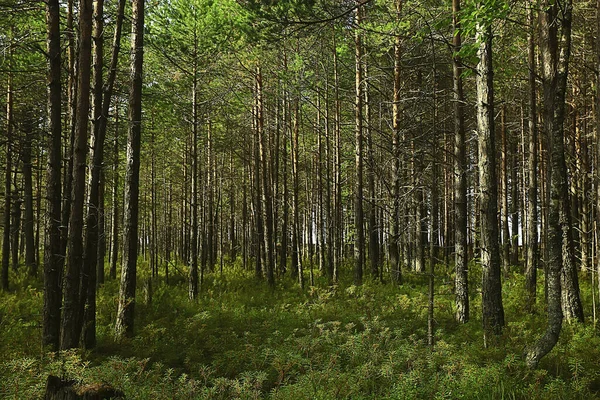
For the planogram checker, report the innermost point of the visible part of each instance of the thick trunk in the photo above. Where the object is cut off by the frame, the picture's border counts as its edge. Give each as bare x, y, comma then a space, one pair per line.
125, 313
554, 77
493, 311
53, 260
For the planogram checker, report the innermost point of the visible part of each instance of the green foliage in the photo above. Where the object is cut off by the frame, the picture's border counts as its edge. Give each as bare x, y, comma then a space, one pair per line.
244, 340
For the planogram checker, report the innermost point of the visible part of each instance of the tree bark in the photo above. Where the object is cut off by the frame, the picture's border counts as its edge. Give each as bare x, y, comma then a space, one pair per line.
76, 277
493, 311
395, 263
359, 242
532, 166
554, 77
7, 185
53, 260
28, 222
125, 313
461, 281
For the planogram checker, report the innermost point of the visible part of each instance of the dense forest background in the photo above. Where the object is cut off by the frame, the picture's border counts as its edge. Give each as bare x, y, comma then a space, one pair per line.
302, 199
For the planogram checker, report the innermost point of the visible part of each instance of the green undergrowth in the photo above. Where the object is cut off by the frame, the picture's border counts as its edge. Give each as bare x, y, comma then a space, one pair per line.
244, 340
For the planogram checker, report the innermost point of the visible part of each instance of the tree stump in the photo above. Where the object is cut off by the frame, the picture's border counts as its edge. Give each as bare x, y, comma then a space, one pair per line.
60, 389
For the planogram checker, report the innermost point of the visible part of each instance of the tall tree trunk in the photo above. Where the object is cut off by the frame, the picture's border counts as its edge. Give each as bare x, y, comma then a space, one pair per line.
461, 281
53, 260
114, 258
90, 264
286, 192
395, 263
193, 262
125, 313
101, 231
373, 228
554, 55
359, 243
338, 212
266, 183
532, 166
571, 302
297, 269
76, 277
71, 124
7, 184
493, 311
504, 190
28, 222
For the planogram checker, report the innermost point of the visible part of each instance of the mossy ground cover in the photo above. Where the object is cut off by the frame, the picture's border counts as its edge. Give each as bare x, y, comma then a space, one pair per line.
244, 340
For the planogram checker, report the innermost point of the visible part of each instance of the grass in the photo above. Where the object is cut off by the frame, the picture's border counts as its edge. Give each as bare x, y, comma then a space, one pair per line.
244, 340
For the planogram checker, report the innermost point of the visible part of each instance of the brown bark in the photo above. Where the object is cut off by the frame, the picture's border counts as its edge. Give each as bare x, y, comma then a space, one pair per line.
125, 313
53, 260
74, 278
492, 308
461, 281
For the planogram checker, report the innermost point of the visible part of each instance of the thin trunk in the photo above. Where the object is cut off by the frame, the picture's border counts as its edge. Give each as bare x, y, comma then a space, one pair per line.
7, 184
193, 262
359, 243
125, 313
115, 201
461, 281
28, 222
266, 183
504, 191
395, 263
532, 164
76, 276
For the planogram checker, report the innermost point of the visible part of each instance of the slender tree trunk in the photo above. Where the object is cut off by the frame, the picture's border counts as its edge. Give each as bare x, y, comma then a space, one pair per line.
7, 185
71, 125
493, 311
101, 231
125, 313
266, 184
504, 190
90, 263
28, 222
532, 166
296, 235
53, 260
395, 263
193, 262
461, 281
76, 277
554, 77
115, 201
338, 212
286, 192
359, 243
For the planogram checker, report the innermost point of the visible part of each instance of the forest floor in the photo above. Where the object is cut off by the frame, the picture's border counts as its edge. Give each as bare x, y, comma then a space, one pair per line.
244, 340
